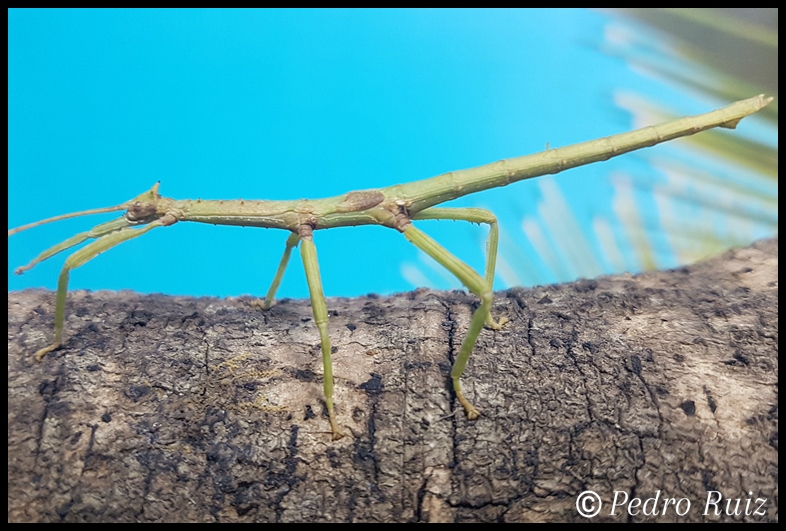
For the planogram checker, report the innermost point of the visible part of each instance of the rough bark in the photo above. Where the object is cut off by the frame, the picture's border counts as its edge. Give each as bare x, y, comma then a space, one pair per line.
163, 408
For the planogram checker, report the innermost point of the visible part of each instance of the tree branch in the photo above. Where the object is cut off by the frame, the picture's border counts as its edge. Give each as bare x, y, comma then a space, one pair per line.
163, 408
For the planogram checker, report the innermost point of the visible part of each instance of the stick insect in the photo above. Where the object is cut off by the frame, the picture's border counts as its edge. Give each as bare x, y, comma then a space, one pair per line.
396, 207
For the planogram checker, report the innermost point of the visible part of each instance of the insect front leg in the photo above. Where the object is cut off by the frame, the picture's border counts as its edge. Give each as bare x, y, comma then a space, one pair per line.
308, 252
81, 257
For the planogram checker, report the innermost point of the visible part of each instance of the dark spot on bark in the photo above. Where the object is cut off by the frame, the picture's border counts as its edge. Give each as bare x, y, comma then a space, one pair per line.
635, 364
57, 409
579, 427
305, 375
710, 400
291, 458
410, 365
106, 417
583, 286
590, 347
373, 386
243, 501
742, 358
48, 387
545, 300
136, 392
689, 407
222, 454
333, 458
605, 297
64, 509
707, 480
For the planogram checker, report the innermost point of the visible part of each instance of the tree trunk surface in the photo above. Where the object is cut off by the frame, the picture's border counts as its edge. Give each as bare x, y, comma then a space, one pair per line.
660, 387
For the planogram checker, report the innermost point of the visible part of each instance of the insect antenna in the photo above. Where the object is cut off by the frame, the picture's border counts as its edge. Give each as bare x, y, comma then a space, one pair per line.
13, 231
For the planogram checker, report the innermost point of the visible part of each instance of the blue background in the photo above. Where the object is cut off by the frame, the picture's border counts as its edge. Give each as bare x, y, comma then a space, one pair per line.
285, 104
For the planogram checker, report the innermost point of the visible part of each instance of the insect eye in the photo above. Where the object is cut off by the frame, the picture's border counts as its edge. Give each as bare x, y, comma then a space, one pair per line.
139, 211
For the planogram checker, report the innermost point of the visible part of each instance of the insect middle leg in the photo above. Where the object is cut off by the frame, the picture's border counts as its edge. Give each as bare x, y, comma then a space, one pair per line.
292, 242
308, 253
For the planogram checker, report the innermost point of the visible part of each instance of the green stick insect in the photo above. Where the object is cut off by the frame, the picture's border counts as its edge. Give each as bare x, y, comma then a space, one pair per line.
396, 207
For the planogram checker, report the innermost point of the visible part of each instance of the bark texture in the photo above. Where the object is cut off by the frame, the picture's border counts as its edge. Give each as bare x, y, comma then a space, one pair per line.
163, 408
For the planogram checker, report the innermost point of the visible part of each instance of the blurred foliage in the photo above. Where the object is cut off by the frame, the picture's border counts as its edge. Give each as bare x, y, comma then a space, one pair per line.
722, 191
